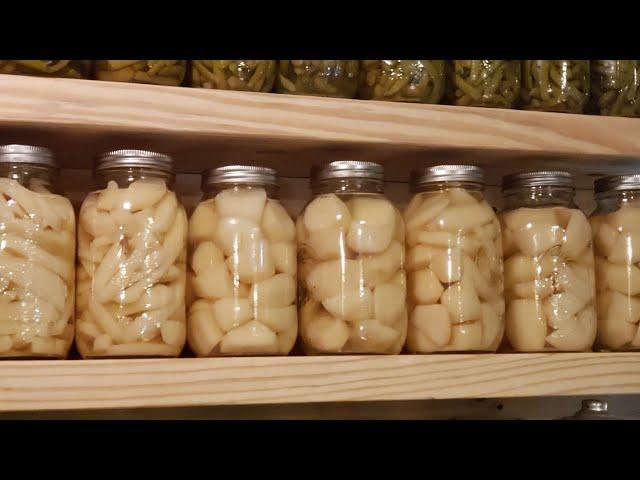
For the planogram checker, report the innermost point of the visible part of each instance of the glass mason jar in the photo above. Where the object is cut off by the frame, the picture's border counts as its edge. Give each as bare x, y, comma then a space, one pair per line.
402, 80
325, 78
616, 233
47, 68
242, 258
555, 85
351, 263
132, 252
483, 83
246, 75
548, 265
157, 72
37, 256
616, 87
454, 263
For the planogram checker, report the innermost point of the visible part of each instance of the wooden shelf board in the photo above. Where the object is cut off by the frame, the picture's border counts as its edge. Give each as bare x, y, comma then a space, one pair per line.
111, 384
80, 118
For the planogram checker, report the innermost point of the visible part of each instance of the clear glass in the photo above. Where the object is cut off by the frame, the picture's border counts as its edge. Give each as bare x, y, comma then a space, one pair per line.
454, 265
131, 271
351, 263
616, 87
47, 68
242, 274
246, 75
555, 85
548, 271
157, 72
402, 80
616, 233
483, 83
325, 78
37, 264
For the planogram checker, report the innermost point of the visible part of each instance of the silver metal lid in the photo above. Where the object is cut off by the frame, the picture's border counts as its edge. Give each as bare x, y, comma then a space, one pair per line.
595, 405
240, 174
348, 169
447, 173
542, 178
27, 154
134, 159
617, 183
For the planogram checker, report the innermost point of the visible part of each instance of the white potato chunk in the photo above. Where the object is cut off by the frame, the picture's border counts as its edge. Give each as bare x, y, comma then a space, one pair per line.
389, 302
203, 223
418, 342
215, 282
462, 302
372, 225
379, 268
276, 223
327, 334
447, 265
577, 280
326, 211
250, 338
576, 336
327, 243
173, 333
284, 257
204, 256
232, 312
277, 291
492, 328
509, 246
460, 196
351, 305
605, 238
526, 328
328, 279
419, 256
535, 289
626, 248
416, 201
253, 262
427, 211
623, 278
234, 233
538, 238
434, 322
102, 343
560, 309
530, 217
577, 236
458, 218
624, 307
287, 340
614, 332
626, 219
425, 287
247, 203
301, 231
278, 319
465, 337
139, 195
372, 336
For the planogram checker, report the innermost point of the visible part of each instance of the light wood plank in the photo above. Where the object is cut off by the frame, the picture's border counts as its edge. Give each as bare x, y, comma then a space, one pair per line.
54, 385
201, 128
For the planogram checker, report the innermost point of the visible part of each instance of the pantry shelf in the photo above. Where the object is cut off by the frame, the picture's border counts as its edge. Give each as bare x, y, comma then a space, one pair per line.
116, 384
80, 118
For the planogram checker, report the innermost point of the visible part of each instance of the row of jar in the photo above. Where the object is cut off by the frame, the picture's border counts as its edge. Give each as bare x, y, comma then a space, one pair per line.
351, 275
605, 87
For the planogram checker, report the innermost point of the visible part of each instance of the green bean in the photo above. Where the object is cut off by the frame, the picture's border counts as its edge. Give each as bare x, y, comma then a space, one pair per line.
47, 68
156, 72
616, 87
402, 80
246, 75
327, 78
483, 83
555, 85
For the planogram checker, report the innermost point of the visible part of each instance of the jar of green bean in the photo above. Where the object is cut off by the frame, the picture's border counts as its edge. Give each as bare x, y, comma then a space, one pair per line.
156, 72
616, 87
483, 83
47, 68
555, 85
246, 75
420, 81
326, 78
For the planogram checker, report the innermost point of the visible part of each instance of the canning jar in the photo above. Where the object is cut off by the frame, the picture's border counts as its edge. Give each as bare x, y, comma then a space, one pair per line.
242, 258
454, 263
616, 87
548, 265
47, 68
402, 80
132, 252
616, 233
325, 78
483, 83
157, 72
37, 256
351, 263
555, 85
247, 75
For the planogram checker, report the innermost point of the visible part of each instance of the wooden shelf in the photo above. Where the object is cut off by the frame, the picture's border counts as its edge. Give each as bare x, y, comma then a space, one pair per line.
107, 384
80, 118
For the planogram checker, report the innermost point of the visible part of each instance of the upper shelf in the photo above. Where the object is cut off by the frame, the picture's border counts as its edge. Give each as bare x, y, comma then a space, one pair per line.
107, 384
80, 118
